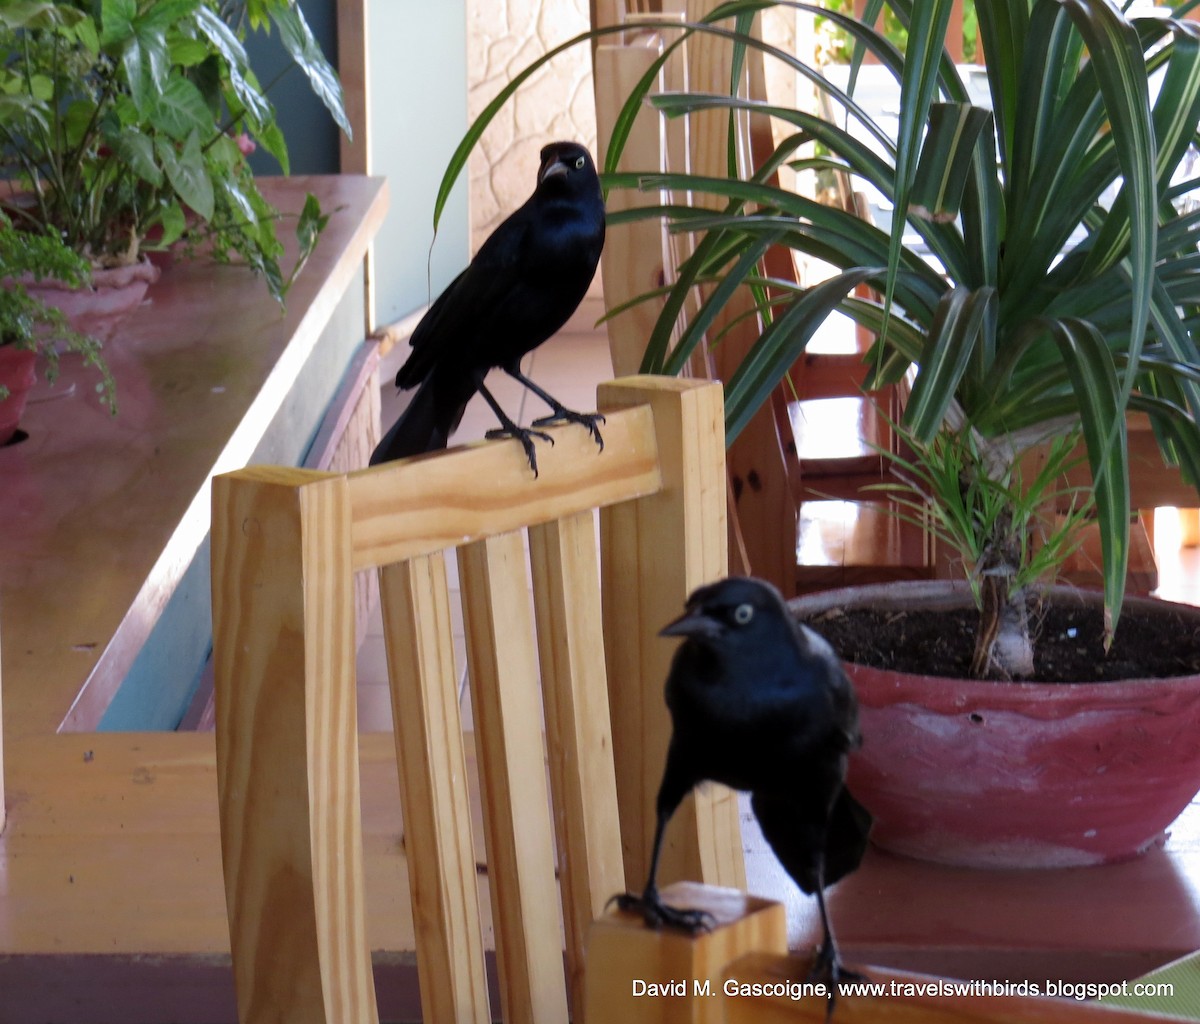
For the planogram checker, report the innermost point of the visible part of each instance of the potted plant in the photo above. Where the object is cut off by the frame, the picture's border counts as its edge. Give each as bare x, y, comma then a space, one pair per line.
124, 126
1036, 280
29, 328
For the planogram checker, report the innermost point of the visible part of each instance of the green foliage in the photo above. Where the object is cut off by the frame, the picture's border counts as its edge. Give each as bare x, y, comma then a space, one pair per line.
122, 119
27, 322
994, 519
836, 46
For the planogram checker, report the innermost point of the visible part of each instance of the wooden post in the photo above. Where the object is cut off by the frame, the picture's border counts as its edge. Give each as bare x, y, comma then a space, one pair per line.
287, 747
427, 725
633, 259
1189, 527
354, 154
578, 730
654, 552
625, 958
512, 779
764, 508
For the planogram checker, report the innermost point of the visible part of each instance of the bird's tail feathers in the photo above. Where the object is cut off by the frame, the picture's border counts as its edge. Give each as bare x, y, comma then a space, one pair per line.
846, 839
424, 426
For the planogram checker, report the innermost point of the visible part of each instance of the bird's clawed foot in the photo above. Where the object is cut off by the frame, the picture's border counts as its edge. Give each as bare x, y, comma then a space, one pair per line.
827, 967
656, 913
525, 436
590, 420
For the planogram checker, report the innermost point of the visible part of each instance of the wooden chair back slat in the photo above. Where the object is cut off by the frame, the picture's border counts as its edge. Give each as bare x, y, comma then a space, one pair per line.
566, 591
427, 724
502, 665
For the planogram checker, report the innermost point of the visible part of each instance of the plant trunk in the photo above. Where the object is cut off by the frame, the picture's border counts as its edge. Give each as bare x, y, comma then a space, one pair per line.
1003, 646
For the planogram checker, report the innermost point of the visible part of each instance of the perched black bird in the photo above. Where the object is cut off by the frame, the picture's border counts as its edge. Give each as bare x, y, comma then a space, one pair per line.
522, 286
760, 703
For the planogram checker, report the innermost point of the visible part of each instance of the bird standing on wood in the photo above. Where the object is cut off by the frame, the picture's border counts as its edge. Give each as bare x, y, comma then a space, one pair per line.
522, 286
760, 703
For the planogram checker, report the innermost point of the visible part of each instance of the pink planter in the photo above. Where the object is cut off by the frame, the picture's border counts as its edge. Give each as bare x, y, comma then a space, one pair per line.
988, 774
17, 375
98, 311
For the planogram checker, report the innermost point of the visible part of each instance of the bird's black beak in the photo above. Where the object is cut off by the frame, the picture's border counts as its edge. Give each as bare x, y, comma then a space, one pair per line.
694, 623
553, 169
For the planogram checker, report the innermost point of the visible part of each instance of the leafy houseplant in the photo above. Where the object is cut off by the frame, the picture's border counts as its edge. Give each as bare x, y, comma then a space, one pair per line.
28, 327
1051, 283
1050, 291
120, 123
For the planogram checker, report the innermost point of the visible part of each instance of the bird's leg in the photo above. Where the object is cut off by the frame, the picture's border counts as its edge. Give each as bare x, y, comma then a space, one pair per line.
649, 904
508, 428
827, 964
561, 414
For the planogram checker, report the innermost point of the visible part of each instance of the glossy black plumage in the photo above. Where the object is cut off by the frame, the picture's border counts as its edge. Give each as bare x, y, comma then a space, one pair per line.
760, 703
522, 286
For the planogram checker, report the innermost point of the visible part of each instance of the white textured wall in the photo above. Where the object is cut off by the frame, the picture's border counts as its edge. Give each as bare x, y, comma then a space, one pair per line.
503, 37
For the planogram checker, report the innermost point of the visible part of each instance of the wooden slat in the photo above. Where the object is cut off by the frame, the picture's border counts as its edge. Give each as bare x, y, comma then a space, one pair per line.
578, 731
440, 503
633, 260
772, 970
508, 736
433, 786
655, 551
353, 65
354, 154
287, 748
764, 508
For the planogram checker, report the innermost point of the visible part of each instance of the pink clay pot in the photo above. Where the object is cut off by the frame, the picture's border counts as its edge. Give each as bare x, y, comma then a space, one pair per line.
17, 375
99, 310
1030, 775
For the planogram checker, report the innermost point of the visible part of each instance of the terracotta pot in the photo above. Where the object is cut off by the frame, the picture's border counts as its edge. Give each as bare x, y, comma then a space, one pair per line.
99, 310
16, 374
992, 774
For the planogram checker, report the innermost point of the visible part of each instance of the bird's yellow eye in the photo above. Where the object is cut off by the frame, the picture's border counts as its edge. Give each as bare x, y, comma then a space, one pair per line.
743, 613
579, 162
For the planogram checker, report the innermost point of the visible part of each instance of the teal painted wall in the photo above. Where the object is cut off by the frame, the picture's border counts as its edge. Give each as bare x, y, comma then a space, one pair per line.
418, 77
418, 85
312, 136
164, 676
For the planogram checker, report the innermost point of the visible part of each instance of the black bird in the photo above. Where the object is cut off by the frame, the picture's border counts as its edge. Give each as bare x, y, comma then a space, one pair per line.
522, 286
760, 703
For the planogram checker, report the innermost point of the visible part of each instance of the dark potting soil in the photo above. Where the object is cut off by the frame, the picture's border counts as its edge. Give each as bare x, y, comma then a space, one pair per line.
1068, 642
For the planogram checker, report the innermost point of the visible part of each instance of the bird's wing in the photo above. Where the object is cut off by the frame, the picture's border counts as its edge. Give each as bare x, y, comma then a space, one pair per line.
798, 828
478, 295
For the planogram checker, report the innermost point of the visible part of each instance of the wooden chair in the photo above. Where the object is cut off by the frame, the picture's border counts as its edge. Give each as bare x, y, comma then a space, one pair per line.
286, 546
